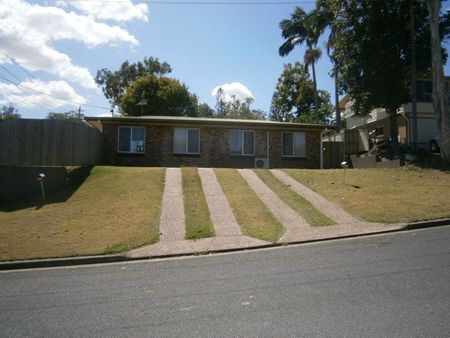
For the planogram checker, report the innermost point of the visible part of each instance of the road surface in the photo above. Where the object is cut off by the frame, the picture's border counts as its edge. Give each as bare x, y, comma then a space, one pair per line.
388, 285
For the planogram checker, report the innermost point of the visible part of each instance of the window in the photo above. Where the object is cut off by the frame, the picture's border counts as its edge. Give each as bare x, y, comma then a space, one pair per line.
131, 140
294, 144
424, 91
242, 142
186, 141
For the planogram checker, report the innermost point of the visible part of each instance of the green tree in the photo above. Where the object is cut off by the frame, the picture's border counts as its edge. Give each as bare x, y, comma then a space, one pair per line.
221, 106
294, 98
372, 50
440, 93
115, 83
204, 110
242, 110
165, 96
9, 113
71, 115
324, 17
235, 109
303, 28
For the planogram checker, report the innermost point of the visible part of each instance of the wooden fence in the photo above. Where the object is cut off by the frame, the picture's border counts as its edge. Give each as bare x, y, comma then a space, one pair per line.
49, 142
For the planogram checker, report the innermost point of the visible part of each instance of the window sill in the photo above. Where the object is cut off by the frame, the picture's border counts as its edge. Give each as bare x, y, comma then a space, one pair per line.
186, 155
293, 158
244, 156
122, 153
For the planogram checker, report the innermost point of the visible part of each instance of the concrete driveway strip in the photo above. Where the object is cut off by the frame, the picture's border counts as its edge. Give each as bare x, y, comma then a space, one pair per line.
295, 224
329, 209
221, 214
172, 225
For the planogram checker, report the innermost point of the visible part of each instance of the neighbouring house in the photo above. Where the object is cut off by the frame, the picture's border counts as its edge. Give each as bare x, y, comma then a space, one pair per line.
178, 141
378, 120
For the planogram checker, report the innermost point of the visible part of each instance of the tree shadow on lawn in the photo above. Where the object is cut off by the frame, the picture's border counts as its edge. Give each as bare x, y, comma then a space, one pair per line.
74, 179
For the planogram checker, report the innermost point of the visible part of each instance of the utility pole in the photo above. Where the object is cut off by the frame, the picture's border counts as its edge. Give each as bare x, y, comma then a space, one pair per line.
413, 135
79, 112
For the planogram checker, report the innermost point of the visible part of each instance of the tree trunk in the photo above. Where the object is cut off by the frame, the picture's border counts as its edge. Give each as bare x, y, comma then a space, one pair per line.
336, 98
440, 97
392, 112
316, 99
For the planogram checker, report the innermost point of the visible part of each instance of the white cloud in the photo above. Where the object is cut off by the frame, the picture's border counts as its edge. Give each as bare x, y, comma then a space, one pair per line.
37, 94
234, 89
117, 11
28, 31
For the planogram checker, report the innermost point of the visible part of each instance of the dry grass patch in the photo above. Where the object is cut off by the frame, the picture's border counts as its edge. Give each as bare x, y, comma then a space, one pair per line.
197, 217
383, 195
294, 200
250, 212
113, 209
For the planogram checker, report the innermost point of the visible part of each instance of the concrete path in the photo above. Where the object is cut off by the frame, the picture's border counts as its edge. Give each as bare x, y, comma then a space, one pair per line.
228, 232
199, 246
295, 224
172, 225
222, 216
329, 209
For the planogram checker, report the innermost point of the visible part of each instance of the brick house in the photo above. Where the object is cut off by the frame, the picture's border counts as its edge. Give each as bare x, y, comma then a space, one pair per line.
185, 141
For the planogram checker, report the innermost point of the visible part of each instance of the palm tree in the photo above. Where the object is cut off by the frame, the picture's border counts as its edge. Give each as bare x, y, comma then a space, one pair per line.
303, 28
324, 17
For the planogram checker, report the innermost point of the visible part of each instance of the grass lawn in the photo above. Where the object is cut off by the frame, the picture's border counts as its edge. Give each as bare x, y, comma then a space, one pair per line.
383, 195
197, 218
294, 200
250, 212
108, 210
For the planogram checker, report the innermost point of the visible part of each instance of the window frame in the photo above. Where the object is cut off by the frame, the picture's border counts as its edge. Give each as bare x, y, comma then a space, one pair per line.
242, 131
186, 142
293, 144
131, 140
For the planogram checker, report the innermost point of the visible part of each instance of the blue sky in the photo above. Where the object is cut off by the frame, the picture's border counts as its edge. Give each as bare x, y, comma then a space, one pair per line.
53, 49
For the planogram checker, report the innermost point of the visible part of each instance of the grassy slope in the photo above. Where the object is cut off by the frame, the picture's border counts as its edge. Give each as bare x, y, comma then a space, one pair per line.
383, 195
114, 209
197, 218
294, 200
250, 212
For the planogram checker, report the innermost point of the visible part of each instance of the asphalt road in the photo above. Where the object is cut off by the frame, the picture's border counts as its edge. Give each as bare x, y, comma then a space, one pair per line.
390, 285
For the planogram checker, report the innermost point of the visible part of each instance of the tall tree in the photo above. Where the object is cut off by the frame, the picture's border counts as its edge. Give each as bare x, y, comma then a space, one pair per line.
204, 110
221, 106
293, 99
162, 96
325, 18
9, 113
440, 93
114, 83
302, 28
71, 115
372, 50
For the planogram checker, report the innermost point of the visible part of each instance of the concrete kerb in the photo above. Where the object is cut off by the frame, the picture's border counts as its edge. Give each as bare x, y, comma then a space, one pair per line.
101, 259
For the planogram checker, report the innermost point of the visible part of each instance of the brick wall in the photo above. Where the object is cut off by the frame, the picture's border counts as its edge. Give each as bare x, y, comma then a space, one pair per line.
214, 148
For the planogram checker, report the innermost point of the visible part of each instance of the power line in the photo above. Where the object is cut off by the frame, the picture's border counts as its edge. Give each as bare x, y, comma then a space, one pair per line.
222, 3
11, 73
23, 97
54, 96
18, 65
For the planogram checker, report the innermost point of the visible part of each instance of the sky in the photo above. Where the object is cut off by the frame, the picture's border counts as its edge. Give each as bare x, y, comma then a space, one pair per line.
51, 50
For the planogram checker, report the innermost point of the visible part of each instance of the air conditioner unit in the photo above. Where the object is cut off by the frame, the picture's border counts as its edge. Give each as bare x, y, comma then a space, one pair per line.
261, 163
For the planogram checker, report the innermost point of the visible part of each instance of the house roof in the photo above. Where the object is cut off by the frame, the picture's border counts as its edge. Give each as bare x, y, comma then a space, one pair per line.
204, 121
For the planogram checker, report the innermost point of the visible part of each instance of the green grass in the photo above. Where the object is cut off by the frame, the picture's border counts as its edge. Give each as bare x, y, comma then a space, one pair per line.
109, 210
250, 212
294, 200
383, 195
197, 218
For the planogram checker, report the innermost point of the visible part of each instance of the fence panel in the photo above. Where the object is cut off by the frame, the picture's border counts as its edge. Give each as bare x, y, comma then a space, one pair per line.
49, 142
